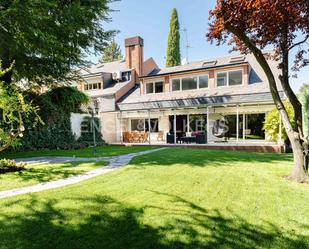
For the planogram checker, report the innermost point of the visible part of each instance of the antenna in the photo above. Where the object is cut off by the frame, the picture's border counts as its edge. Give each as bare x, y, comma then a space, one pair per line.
187, 45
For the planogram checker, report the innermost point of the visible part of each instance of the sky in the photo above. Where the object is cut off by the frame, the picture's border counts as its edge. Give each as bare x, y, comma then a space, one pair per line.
150, 20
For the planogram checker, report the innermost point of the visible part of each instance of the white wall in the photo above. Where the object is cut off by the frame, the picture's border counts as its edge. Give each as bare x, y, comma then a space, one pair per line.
76, 120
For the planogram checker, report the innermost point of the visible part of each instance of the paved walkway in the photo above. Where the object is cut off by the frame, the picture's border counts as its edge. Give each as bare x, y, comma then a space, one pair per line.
115, 163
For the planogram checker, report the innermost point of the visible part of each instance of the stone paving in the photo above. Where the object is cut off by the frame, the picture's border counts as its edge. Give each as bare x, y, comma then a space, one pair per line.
115, 163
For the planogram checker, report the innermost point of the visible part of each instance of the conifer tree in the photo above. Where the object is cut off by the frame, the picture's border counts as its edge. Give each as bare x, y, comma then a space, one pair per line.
112, 52
173, 57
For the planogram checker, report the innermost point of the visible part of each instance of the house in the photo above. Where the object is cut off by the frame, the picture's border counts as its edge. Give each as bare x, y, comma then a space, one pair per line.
217, 102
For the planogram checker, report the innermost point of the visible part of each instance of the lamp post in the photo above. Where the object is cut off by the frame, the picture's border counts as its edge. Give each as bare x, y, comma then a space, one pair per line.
93, 111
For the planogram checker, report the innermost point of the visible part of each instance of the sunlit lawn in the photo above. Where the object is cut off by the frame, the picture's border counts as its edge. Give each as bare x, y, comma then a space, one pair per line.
175, 198
38, 173
102, 151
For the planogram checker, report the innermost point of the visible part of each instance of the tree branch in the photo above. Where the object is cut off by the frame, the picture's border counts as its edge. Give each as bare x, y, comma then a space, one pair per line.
299, 43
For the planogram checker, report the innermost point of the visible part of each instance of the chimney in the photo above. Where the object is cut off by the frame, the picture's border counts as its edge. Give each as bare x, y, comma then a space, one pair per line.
135, 55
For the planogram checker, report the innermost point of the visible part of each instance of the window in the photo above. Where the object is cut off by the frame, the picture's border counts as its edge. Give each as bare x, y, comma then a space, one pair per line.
221, 79
92, 86
159, 87
126, 76
189, 83
143, 125
137, 124
176, 85
154, 125
235, 78
203, 81
155, 87
232, 78
149, 87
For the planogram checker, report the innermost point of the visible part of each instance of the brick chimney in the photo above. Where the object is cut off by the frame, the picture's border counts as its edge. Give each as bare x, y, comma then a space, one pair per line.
135, 55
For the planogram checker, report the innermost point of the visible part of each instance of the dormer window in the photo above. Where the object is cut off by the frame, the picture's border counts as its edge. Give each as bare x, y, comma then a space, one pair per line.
154, 87
231, 78
92, 86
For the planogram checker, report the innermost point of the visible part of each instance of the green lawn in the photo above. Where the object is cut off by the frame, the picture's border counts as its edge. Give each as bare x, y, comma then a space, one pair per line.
175, 198
102, 151
45, 172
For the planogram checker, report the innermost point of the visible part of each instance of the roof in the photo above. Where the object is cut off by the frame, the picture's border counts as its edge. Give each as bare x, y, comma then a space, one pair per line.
204, 65
258, 83
109, 90
109, 67
200, 101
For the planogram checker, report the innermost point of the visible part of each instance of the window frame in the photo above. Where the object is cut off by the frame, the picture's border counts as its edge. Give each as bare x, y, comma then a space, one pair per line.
145, 122
228, 77
197, 76
154, 87
87, 84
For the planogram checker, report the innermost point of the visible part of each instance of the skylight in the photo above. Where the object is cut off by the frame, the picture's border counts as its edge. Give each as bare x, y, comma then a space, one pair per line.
237, 59
209, 63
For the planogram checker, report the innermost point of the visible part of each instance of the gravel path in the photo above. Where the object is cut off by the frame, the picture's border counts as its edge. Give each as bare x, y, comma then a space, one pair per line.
115, 163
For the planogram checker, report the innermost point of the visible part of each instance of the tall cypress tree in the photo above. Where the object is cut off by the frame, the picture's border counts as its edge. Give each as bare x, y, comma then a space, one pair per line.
173, 57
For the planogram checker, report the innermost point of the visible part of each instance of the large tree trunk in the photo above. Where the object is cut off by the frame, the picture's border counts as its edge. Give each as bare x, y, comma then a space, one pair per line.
299, 172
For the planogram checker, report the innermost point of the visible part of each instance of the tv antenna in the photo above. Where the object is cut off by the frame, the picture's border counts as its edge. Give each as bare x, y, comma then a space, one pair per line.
187, 45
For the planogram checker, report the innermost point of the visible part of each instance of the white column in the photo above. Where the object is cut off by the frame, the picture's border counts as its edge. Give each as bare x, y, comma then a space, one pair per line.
237, 123
208, 125
175, 141
188, 123
280, 130
121, 131
244, 126
149, 127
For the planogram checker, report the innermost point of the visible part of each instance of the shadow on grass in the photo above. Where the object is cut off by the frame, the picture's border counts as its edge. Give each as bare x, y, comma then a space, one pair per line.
39, 173
102, 222
200, 157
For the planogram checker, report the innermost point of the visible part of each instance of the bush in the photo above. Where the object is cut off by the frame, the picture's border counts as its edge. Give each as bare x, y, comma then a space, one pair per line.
272, 123
56, 106
7, 165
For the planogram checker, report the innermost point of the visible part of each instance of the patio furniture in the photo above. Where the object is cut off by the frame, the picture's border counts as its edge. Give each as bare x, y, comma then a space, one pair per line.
160, 136
188, 140
170, 138
201, 138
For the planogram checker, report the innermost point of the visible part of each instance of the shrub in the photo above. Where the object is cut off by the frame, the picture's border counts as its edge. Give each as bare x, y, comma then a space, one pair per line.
7, 165
272, 123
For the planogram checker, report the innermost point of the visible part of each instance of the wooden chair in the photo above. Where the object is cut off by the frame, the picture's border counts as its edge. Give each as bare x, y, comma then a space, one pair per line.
160, 136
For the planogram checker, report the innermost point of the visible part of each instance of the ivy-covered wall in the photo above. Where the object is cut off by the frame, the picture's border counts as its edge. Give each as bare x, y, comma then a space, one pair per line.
55, 107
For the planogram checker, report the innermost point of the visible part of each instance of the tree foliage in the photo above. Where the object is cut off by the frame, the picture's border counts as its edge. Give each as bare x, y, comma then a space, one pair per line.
47, 39
304, 99
112, 52
251, 26
173, 57
56, 106
14, 110
272, 123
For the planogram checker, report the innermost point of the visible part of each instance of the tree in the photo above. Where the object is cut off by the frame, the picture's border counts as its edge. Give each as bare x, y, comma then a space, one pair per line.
173, 57
47, 39
13, 109
304, 99
112, 52
251, 25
